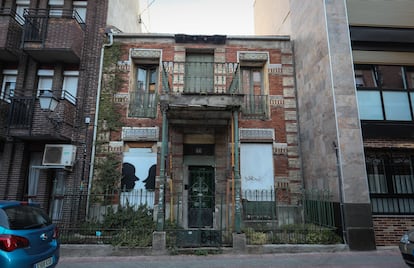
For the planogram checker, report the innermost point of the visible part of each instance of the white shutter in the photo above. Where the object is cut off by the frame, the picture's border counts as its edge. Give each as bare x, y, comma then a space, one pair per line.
70, 86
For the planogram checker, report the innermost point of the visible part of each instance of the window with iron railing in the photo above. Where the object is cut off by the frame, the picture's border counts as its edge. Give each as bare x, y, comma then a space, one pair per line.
36, 21
391, 181
385, 92
199, 73
144, 97
252, 83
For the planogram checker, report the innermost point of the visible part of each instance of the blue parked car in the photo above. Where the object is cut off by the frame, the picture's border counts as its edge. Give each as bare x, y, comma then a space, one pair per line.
28, 238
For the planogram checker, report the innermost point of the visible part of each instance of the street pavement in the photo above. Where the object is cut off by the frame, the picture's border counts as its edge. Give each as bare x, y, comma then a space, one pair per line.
381, 258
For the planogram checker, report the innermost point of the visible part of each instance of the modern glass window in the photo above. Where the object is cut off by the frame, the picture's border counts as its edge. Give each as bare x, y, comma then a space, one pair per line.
391, 181
70, 86
9, 84
396, 105
143, 99
385, 92
370, 107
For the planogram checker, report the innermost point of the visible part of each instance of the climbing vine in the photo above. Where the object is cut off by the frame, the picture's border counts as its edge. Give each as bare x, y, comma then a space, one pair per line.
109, 115
108, 165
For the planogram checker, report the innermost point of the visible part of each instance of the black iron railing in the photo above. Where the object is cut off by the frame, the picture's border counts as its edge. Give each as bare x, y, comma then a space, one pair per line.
255, 105
36, 22
143, 104
21, 112
12, 13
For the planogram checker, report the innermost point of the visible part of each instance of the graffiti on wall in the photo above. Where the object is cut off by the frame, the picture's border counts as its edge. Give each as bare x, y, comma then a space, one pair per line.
138, 176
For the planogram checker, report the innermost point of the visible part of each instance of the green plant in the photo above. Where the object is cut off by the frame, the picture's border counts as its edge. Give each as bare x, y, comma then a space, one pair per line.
255, 237
130, 226
201, 252
109, 116
306, 234
108, 174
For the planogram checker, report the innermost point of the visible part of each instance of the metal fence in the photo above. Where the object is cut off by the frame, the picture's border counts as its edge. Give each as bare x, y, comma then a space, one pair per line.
128, 219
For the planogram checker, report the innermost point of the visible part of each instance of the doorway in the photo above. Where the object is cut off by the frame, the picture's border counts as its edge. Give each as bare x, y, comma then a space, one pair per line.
200, 196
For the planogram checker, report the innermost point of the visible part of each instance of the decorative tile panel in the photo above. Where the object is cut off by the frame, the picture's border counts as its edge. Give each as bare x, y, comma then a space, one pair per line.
280, 148
123, 66
257, 134
140, 133
115, 146
276, 100
253, 56
275, 68
146, 53
121, 98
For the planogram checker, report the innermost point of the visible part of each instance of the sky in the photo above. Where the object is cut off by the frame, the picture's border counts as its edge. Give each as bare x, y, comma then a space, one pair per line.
204, 17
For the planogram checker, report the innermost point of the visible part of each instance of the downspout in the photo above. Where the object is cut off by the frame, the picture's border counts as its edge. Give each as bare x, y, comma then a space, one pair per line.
95, 124
161, 199
341, 195
237, 183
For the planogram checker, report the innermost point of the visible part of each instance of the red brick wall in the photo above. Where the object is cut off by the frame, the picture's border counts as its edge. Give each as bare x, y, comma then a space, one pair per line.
389, 229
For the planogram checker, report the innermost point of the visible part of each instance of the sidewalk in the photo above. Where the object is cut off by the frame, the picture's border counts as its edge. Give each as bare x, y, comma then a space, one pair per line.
93, 250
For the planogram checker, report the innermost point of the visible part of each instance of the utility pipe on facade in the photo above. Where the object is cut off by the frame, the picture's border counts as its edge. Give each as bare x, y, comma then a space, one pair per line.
341, 195
95, 124
161, 213
237, 173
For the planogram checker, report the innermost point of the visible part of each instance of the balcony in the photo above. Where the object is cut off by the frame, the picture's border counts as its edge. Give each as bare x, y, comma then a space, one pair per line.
29, 122
195, 91
10, 34
53, 35
255, 106
143, 105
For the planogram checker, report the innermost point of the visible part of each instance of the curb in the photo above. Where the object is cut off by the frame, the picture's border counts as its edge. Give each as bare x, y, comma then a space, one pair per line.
93, 250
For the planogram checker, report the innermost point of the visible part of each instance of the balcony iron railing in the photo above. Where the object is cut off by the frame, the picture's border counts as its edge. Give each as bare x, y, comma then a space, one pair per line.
12, 13
200, 77
22, 108
255, 105
21, 112
36, 21
143, 104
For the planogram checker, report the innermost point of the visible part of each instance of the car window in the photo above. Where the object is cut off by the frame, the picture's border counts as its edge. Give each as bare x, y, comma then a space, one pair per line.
26, 217
4, 221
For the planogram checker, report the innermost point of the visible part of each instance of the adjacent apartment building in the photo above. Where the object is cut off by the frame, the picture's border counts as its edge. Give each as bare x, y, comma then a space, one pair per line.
354, 72
50, 55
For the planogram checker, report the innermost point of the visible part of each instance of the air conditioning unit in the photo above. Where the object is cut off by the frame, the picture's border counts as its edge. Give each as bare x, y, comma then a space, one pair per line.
59, 155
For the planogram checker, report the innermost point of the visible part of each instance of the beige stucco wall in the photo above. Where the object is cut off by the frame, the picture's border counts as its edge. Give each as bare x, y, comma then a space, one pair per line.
328, 112
271, 17
124, 15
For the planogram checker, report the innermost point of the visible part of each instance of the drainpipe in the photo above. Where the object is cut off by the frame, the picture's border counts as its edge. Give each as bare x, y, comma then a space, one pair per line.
237, 183
341, 195
95, 124
161, 213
